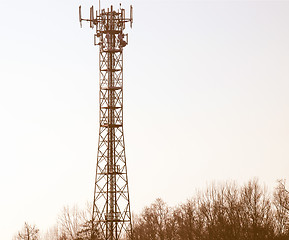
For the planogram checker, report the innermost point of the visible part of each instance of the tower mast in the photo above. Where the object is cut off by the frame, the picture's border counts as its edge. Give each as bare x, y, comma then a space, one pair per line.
111, 217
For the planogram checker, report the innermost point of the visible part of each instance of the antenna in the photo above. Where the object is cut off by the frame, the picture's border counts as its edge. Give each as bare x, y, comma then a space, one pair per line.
123, 16
80, 19
131, 16
91, 17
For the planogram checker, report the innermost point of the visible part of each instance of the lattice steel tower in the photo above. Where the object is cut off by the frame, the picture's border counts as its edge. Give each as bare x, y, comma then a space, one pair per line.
111, 207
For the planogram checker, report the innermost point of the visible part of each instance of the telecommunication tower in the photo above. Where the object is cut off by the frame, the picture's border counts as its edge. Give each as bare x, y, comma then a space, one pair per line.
111, 206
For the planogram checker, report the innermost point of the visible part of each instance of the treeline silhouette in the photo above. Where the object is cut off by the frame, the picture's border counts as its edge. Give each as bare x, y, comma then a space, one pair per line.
221, 212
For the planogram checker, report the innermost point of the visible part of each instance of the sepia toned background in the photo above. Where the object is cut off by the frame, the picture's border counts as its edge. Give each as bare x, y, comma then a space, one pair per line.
205, 99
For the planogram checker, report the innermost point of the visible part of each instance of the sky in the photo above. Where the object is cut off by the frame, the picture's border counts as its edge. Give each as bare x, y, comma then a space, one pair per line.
205, 100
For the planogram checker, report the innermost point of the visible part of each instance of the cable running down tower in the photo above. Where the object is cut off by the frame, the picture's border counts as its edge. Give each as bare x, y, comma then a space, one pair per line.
111, 218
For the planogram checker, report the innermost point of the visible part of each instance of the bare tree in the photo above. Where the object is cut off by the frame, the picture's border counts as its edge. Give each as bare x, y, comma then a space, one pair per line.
189, 223
28, 232
283, 194
75, 224
88, 230
223, 212
155, 223
52, 233
281, 203
70, 221
257, 215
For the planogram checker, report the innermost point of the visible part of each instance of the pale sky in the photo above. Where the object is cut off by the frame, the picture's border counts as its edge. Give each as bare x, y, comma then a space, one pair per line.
205, 99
